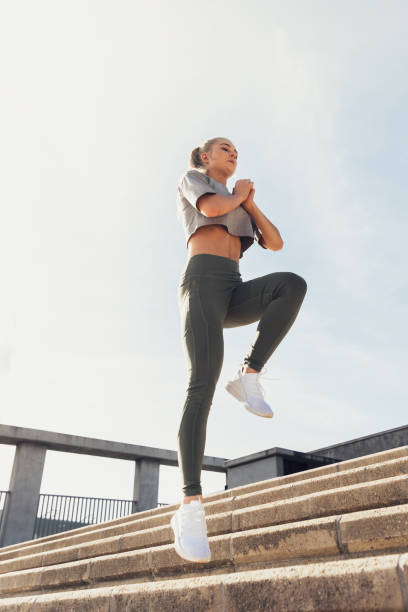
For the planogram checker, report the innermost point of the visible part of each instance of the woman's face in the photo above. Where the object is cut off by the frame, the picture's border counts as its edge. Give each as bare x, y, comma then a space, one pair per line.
223, 156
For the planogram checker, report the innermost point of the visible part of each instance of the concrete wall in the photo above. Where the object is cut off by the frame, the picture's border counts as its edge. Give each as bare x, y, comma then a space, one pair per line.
366, 445
270, 463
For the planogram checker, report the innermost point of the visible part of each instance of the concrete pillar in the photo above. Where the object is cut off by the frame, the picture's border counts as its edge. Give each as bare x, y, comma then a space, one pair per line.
146, 484
22, 503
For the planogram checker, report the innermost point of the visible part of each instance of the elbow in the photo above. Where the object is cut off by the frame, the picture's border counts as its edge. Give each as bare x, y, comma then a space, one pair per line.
278, 243
208, 211
212, 211
276, 247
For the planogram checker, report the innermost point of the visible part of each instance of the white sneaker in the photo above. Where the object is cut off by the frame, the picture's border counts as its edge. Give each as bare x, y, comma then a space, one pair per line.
247, 388
190, 532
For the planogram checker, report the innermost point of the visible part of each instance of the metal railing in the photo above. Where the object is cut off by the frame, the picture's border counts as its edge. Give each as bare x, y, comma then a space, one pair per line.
57, 513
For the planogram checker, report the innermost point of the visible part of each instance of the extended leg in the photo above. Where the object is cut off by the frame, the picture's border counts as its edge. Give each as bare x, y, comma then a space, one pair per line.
202, 314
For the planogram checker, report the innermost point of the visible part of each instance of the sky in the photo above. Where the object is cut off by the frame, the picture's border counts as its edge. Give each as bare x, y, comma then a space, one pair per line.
101, 104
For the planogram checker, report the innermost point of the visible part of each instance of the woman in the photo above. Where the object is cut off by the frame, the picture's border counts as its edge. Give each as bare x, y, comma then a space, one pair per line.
219, 227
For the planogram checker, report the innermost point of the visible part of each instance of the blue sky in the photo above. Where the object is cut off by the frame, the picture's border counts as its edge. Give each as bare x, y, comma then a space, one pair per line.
102, 103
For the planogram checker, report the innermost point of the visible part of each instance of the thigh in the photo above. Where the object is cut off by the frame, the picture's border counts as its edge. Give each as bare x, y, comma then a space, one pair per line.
202, 311
250, 298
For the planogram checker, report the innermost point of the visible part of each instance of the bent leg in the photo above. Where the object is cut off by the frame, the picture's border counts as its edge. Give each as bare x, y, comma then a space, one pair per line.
274, 300
202, 313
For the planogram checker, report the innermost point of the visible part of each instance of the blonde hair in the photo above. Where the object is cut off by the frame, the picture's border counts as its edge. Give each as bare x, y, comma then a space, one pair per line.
195, 155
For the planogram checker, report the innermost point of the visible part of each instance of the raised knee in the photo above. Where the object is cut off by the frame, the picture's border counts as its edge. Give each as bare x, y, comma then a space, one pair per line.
298, 282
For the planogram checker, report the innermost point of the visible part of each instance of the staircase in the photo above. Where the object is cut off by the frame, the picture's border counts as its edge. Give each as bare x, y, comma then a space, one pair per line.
329, 538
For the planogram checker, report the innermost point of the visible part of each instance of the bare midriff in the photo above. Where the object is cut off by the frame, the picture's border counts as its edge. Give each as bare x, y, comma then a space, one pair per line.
214, 240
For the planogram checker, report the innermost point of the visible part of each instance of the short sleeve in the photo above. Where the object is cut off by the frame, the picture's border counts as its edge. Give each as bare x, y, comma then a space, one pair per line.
257, 234
193, 185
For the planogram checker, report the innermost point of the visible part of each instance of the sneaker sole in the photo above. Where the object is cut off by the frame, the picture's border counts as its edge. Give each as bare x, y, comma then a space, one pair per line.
237, 391
179, 551
261, 414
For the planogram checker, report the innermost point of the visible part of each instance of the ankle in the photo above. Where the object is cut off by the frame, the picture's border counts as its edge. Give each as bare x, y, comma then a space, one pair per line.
246, 369
190, 498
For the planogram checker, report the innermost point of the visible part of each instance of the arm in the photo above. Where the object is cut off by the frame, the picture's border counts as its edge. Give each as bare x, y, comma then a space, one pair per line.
271, 237
215, 204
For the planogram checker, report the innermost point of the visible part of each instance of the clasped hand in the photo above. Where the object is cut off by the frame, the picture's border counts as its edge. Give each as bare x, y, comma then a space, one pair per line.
244, 187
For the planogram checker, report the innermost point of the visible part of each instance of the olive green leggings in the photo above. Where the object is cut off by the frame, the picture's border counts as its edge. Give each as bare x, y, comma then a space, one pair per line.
212, 296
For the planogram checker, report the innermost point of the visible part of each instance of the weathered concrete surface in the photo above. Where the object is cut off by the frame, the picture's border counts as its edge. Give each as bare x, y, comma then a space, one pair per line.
376, 583
271, 463
335, 541
52, 440
384, 465
146, 483
373, 443
376, 530
357, 584
20, 511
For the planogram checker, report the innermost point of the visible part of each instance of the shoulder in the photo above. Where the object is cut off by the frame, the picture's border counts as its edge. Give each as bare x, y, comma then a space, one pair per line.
193, 174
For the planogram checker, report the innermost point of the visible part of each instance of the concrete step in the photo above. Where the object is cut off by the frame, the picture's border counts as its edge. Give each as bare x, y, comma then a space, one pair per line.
239, 497
351, 520
364, 584
253, 514
332, 469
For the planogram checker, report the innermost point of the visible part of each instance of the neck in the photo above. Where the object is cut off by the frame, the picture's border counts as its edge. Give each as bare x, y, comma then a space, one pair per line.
217, 175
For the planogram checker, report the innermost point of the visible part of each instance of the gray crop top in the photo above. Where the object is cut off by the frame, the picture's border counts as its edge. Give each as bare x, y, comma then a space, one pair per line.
193, 184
